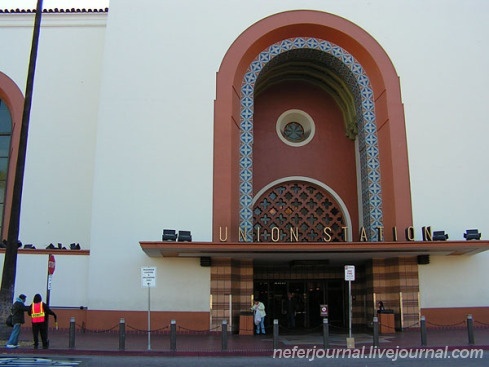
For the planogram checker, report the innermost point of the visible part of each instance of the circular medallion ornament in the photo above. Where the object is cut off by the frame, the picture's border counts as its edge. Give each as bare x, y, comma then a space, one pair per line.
294, 132
295, 128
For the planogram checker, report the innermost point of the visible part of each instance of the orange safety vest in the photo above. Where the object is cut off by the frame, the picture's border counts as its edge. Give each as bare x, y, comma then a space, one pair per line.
37, 312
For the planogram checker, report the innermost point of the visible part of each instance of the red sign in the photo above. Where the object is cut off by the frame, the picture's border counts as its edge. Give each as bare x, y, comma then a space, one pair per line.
51, 265
323, 310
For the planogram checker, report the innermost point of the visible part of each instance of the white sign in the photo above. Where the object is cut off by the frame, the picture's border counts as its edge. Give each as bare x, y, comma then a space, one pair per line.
148, 277
350, 272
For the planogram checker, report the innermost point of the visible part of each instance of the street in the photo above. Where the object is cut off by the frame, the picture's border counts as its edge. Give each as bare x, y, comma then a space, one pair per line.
242, 361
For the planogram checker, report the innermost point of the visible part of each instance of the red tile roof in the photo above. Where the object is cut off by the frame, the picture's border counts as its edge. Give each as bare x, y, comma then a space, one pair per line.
55, 10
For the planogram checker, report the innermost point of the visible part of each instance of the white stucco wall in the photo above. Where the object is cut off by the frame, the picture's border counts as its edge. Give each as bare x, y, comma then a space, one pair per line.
169, 85
69, 285
454, 281
57, 195
120, 144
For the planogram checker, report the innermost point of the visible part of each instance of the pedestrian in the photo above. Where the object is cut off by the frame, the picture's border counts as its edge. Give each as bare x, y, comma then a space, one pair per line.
18, 309
291, 310
259, 309
380, 307
39, 312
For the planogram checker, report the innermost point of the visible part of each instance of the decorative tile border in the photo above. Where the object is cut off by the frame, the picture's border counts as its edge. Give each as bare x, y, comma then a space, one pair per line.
354, 75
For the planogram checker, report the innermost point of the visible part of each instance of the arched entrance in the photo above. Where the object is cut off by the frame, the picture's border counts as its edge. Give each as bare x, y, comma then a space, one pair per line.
305, 94
340, 74
360, 63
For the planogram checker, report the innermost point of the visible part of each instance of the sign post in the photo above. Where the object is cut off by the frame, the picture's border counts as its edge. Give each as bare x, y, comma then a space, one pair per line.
350, 276
148, 280
51, 268
323, 311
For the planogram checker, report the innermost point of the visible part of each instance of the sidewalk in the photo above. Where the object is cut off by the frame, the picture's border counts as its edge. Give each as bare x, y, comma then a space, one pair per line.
107, 343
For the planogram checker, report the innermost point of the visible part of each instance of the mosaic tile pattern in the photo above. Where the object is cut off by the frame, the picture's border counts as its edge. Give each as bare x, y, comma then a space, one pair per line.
353, 74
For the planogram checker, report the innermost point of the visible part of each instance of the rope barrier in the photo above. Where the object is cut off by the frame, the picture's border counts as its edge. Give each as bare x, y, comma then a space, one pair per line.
338, 327
446, 326
283, 328
415, 325
95, 331
386, 326
481, 323
200, 331
312, 329
145, 330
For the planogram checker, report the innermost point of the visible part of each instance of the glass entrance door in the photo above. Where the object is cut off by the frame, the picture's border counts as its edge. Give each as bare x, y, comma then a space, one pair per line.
296, 303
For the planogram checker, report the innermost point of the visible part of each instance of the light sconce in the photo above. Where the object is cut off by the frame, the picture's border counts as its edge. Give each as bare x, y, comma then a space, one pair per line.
184, 236
440, 236
74, 246
472, 234
169, 235
205, 261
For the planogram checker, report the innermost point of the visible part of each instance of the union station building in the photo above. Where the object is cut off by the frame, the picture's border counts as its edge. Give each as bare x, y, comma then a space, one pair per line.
259, 167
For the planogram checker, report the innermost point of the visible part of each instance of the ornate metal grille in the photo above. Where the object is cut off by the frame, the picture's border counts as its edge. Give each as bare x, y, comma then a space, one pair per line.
297, 207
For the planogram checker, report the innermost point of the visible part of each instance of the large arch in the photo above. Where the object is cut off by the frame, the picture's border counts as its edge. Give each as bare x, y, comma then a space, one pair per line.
231, 196
14, 99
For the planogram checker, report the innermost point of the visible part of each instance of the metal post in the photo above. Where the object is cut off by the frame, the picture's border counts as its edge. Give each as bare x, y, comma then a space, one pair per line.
149, 317
423, 331
470, 329
71, 343
173, 335
275, 334
230, 311
349, 309
401, 308
376, 332
122, 334
224, 335
325, 333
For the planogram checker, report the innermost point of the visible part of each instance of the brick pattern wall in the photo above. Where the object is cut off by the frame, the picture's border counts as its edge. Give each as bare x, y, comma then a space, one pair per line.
395, 282
231, 290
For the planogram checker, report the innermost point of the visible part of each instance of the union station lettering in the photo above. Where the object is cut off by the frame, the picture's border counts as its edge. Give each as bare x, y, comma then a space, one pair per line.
293, 234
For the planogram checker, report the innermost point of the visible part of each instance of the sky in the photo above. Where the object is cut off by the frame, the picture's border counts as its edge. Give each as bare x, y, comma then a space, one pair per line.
50, 4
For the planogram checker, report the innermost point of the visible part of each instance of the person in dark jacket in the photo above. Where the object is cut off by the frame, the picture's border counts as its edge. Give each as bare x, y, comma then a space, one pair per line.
380, 307
39, 313
291, 310
18, 309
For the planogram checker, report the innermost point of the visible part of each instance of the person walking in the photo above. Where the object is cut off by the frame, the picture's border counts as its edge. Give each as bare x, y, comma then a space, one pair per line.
291, 310
259, 309
380, 307
39, 313
18, 309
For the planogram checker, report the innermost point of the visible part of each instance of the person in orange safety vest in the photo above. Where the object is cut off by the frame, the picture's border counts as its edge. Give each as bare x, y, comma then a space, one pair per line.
39, 313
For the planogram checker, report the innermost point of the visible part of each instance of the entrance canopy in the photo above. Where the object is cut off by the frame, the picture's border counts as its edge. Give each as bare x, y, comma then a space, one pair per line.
329, 252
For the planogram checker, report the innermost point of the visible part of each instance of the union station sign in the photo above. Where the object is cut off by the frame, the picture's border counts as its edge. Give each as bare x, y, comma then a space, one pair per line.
276, 234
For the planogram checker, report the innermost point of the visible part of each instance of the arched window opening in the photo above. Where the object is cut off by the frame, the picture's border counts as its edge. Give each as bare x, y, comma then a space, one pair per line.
5, 141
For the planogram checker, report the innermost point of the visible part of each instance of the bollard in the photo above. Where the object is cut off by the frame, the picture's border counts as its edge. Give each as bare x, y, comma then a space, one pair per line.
173, 335
275, 334
423, 331
122, 334
224, 335
470, 329
71, 342
325, 333
376, 332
